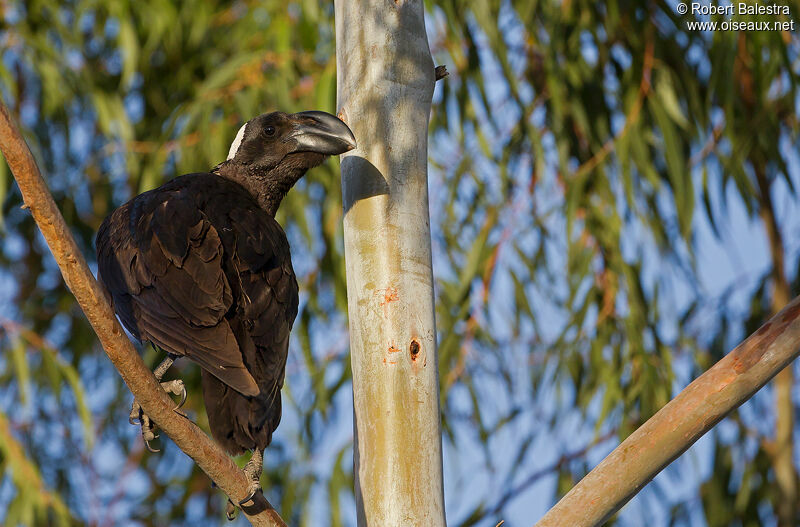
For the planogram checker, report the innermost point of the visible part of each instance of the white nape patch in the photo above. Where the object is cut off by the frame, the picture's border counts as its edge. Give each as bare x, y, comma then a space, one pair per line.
237, 142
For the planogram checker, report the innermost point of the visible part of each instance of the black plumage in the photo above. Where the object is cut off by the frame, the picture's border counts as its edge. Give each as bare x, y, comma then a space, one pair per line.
200, 268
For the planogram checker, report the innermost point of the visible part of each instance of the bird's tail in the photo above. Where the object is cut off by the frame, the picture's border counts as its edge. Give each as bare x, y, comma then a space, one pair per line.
238, 422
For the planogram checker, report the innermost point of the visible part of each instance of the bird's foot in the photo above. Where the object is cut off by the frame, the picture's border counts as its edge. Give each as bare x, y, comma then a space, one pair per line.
176, 387
137, 415
148, 427
230, 511
253, 471
254, 487
252, 490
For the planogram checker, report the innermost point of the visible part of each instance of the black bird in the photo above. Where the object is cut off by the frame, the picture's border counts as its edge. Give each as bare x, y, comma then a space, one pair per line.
200, 268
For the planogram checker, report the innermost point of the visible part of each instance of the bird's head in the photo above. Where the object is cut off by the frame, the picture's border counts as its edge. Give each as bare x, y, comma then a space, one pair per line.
272, 151
299, 139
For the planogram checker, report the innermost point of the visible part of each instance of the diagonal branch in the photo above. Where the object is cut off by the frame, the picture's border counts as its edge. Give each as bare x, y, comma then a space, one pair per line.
156, 403
692, 413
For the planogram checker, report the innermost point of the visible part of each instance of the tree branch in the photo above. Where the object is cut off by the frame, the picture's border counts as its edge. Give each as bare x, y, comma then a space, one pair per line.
90, 296
670, 432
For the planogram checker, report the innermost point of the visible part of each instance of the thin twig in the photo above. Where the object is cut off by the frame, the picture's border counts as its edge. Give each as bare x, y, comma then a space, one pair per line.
709, 146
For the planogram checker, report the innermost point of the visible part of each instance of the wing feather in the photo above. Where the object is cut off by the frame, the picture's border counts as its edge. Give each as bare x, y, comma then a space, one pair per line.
168, 284
200, 270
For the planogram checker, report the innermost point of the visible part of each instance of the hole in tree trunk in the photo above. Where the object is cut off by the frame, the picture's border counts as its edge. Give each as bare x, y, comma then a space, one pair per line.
414, 349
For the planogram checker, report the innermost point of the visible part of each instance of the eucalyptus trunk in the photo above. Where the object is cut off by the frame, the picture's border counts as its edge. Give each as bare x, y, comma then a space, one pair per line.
385, 84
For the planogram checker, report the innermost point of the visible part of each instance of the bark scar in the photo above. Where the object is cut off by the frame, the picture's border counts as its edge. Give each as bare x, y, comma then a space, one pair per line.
342, 115
752, 350
389, 295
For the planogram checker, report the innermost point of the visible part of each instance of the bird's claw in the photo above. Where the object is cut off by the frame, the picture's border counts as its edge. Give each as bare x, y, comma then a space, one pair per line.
253, 489
184, 395
230, 508
176, 387
230, 511
138, 417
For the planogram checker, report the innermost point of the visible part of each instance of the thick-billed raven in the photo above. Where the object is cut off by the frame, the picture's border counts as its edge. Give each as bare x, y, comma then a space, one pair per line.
200, 268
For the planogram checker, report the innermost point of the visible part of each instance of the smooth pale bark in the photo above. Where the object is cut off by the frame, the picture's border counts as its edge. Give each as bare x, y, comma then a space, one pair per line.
692, 413
385, 85
156, 403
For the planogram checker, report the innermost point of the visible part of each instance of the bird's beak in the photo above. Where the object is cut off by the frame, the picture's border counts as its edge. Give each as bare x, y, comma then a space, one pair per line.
322, 133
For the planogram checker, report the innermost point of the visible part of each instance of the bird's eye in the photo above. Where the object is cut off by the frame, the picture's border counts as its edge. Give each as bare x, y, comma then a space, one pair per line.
269, 130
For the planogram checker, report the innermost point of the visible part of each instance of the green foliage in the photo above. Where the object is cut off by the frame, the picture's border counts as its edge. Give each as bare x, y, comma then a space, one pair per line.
594, 128
33, 504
